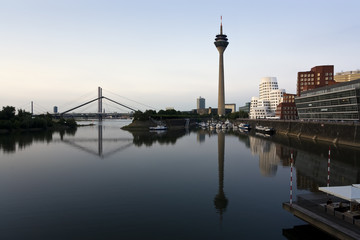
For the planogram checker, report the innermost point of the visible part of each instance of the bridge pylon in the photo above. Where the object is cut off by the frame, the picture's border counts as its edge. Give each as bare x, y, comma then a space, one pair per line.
100, 103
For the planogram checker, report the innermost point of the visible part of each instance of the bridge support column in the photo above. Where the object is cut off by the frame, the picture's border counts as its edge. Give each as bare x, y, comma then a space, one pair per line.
100, 103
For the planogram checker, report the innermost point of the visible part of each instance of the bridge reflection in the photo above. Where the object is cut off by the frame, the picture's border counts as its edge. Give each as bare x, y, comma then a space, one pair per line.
78, 143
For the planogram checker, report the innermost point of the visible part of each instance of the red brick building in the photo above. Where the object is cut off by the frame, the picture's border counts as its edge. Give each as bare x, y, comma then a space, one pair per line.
287, 109
318, 76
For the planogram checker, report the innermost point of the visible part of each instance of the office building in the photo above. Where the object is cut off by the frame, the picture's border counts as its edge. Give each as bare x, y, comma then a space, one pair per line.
318, 76
286, 110
245, 108
347, 76
339, 102
230, 106
200, 103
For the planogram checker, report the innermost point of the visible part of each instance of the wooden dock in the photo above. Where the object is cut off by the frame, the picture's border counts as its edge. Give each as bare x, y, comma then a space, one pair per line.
310, 208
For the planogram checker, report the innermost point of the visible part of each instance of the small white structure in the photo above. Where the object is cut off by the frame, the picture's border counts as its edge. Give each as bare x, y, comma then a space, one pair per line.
349, 193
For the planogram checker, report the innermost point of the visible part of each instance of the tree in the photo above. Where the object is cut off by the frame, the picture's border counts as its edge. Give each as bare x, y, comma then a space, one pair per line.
243, 114
22, 114
7, 113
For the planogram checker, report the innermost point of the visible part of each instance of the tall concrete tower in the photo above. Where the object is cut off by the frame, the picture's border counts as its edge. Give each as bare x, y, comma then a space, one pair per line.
221, 43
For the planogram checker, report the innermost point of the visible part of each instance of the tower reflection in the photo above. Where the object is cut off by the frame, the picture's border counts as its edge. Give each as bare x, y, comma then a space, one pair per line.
220, 199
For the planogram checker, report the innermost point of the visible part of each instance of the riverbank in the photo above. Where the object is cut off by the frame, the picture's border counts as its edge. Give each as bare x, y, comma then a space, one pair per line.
335, 133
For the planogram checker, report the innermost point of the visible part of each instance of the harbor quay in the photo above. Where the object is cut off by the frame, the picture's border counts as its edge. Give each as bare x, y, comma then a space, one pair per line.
313, 208
338, 133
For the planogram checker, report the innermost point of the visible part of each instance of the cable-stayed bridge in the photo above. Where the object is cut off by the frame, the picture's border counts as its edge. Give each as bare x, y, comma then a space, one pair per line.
99, 112
99, 99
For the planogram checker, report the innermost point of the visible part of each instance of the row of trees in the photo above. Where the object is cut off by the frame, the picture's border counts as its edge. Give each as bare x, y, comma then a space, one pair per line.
24, 120
165, 114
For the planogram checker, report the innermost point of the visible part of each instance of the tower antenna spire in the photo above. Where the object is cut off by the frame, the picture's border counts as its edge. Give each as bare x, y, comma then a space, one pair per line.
221, 31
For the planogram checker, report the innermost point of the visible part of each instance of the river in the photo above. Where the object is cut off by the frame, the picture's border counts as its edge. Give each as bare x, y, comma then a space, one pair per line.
101, 182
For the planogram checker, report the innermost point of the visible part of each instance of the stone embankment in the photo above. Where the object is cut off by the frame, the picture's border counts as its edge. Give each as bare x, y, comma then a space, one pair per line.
336, 133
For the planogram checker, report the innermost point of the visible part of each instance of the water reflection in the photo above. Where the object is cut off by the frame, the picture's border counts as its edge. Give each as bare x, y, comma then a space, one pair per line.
12, 142
84, 144
220, 199
307, 232
148, 138
268, 158
161, 189
310, 158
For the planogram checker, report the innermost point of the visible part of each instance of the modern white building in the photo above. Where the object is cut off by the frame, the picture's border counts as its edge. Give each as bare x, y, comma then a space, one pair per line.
270, 96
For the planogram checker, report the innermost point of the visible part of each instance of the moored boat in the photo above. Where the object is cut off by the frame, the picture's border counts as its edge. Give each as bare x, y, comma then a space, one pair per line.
244, 126
158, 128
264, 129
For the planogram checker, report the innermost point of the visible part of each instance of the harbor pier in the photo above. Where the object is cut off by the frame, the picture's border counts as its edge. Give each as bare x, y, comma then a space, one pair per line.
311, 208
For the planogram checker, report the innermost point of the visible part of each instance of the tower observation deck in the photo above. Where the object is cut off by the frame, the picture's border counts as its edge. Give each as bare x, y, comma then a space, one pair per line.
221, 43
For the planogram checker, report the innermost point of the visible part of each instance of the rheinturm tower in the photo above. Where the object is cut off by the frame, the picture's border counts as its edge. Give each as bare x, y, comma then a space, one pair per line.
221, 43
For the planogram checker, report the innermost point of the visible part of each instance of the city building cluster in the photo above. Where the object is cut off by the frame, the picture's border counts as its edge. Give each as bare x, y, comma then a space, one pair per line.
320, 95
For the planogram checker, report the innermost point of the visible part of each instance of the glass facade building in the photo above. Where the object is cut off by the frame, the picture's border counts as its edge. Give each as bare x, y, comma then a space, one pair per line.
339, 102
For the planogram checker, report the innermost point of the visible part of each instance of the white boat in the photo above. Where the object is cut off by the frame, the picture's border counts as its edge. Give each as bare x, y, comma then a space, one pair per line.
266, 130
202, 125
158, 128
218, 126
244, 126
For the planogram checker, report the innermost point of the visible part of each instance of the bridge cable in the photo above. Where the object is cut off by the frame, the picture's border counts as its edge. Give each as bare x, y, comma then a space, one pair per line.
131, 100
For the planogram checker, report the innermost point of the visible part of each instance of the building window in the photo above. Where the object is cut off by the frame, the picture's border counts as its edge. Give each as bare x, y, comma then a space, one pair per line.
318, 74
318, 83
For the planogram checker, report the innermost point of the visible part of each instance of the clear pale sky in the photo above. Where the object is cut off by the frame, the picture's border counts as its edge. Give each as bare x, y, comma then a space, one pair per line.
162, 53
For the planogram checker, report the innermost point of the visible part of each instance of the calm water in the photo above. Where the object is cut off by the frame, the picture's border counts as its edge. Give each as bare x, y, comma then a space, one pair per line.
101, 182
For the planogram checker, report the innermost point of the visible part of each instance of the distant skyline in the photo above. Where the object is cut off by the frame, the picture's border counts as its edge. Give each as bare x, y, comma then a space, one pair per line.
161, 53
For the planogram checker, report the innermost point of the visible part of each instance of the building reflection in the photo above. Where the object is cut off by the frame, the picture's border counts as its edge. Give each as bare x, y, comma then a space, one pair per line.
200, 136
310, 161
267, 152
220, 199
311, 169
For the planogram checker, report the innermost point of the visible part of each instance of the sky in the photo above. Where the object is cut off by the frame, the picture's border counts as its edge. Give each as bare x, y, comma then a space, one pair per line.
161, 53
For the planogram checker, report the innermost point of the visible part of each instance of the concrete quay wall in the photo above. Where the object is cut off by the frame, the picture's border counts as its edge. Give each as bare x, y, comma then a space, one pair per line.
336, 133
